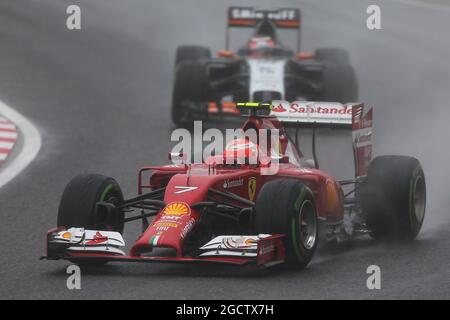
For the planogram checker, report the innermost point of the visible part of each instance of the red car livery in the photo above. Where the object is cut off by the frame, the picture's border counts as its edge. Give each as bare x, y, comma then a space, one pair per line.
232, 213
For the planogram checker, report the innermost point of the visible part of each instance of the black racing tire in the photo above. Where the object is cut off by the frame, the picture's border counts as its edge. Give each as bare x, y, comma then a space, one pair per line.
393, 198
77, 207
282, 205
191, 53
340, 83
334, 55
190, 85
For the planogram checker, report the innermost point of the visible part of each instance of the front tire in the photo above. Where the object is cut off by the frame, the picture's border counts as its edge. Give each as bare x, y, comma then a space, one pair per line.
393, 197
78, 205
288, 207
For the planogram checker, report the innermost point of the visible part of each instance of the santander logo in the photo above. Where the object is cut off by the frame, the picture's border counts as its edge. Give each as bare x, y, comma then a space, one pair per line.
279, 108
320, 108
313, 108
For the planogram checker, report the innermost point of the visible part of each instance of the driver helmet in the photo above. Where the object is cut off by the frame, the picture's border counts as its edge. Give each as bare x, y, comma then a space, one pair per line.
241, 151
261, 42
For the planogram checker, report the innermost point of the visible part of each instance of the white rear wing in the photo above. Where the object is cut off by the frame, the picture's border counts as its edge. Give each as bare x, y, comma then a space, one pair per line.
311, 112
331, 115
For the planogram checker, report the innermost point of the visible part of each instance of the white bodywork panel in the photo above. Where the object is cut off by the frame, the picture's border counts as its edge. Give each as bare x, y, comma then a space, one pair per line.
232, 246
82, 240
266, 75
228, 253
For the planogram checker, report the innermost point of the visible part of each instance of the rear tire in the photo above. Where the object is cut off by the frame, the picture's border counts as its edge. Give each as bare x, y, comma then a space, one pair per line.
334, 55
191, 85
339, 78
339, 84
393, 198
191, 53
288, 207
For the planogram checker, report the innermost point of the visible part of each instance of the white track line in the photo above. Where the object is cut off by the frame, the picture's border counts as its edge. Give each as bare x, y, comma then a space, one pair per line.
30, 147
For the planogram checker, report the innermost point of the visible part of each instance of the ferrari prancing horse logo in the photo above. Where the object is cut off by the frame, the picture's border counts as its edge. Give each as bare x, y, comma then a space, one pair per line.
251, 188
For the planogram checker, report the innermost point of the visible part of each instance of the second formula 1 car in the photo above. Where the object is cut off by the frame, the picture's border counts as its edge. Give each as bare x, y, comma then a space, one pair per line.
230, 210
263, 69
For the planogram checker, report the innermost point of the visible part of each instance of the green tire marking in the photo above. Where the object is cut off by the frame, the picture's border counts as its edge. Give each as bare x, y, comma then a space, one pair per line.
105, 192
297, 206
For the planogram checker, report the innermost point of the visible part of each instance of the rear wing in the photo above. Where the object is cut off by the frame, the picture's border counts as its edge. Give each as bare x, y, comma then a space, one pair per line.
333, 115
328, 114
248, 17
325, 115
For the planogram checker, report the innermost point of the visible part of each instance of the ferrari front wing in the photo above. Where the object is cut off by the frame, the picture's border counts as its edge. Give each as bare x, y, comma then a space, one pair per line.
81, 245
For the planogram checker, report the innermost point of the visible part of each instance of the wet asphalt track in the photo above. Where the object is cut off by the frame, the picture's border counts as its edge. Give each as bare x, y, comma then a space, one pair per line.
101, 98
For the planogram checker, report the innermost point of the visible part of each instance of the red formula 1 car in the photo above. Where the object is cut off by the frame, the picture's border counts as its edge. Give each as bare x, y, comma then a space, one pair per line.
231, 212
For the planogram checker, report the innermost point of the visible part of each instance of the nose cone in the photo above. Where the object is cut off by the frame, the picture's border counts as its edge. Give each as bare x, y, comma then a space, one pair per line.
168, 229
174, 222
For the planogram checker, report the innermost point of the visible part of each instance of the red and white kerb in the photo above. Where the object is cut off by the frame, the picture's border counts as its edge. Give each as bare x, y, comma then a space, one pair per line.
8, 138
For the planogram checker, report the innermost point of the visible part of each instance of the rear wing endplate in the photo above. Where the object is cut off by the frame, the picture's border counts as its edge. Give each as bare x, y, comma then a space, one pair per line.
362, 139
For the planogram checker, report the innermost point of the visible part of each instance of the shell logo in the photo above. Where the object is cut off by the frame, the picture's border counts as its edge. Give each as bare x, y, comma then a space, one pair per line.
177, 209
250, 242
